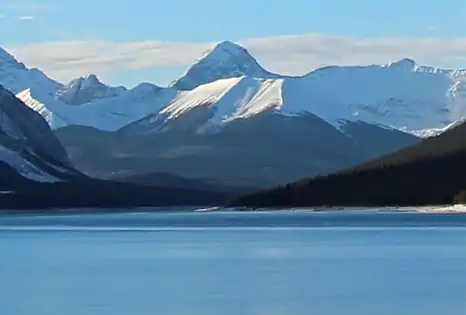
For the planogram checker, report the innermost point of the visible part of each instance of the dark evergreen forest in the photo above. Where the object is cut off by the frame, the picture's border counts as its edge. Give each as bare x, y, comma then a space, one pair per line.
432, 172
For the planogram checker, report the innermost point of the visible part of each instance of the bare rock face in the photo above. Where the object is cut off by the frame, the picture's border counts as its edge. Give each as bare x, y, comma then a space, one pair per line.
87, 89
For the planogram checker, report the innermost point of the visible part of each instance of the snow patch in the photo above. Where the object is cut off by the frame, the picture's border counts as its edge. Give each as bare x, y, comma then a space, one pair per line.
432, 132
446, 209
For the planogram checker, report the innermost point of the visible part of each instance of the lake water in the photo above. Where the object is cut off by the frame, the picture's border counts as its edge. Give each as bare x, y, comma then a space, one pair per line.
283, 263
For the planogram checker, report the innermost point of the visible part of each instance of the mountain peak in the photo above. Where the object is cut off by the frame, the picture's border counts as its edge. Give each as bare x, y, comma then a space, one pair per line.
85, 81
226, 47
225, 60
86, 89
405, 63
92, 78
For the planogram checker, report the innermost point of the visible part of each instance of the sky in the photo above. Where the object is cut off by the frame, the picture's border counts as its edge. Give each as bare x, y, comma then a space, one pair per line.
128, 42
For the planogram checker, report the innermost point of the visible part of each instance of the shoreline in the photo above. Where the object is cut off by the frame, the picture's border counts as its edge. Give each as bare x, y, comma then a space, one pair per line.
440, 209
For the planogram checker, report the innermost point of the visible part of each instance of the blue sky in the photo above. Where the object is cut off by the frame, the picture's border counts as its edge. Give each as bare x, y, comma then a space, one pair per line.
24, 23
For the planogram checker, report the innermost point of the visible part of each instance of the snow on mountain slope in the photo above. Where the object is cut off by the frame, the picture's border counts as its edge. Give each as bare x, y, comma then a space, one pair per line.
23, 126
231, 98
224, 60
432, 132
109, 114
87, 89
219, 102
115, 106
16, 77
27, 143
227, 83
401, 95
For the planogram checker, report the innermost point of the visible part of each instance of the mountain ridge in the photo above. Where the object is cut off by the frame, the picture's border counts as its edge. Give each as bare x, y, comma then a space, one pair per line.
28, 145
239, 131
263, 151
406, 63
87, 89
35, 172
392, 94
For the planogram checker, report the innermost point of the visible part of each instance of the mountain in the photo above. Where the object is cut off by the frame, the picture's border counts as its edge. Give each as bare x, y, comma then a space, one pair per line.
28, 145
266, 150
225, 60
36, 172
430, 173
230, 122
86, 90
228, 84
60, 105
400, 95
107, 113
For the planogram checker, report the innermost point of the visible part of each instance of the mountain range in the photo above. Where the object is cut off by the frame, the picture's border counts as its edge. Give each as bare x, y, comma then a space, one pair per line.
35, 171
229, 121
227, 84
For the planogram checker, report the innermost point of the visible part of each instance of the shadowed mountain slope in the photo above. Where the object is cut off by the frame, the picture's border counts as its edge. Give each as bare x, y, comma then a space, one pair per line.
428, 173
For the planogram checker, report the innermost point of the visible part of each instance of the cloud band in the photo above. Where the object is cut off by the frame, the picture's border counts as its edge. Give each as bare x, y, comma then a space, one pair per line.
294, 54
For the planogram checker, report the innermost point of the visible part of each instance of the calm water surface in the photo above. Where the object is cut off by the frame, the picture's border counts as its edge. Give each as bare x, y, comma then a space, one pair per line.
282, 263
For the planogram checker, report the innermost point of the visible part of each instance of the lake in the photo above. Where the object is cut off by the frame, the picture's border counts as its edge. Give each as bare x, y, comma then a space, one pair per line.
261, 263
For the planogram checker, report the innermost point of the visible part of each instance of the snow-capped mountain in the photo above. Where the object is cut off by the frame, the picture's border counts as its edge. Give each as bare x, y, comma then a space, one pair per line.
100, 105
109, 114
35, 171
224, 60
87, 89
227, 83
28, 145
400, 95
16, 77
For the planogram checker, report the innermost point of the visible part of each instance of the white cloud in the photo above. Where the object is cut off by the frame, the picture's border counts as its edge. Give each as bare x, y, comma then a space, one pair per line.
296, 54
67, 60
